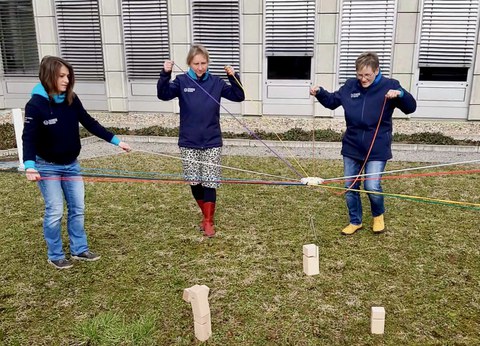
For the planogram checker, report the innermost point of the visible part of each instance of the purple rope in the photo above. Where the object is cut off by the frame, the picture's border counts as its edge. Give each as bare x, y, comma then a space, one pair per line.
244, 126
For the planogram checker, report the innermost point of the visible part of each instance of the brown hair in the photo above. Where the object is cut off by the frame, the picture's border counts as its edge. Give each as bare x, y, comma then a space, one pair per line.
49, 72
195, 50
367, 59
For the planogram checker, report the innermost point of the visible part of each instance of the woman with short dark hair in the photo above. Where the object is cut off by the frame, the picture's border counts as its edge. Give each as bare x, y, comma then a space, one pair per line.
362, 99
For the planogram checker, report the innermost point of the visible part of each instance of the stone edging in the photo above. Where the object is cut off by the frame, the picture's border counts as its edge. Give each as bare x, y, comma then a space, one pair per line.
289, 144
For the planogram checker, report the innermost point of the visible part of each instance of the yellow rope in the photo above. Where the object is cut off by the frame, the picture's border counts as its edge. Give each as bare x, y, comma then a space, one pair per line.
285, 147
291, 154
402, 196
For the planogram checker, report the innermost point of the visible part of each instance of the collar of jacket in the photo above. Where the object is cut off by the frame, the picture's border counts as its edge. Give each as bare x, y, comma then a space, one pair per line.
40, 90
194, 76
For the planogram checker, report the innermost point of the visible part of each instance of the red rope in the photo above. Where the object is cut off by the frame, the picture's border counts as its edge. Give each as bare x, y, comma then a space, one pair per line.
369, 149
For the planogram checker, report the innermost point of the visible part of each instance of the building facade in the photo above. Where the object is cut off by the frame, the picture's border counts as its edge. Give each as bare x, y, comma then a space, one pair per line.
280, 48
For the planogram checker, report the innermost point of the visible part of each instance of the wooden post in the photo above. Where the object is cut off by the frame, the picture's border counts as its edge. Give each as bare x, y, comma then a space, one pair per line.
18, 125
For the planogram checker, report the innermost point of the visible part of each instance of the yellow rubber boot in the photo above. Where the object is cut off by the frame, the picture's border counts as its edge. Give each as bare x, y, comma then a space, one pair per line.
351, 228
378, 224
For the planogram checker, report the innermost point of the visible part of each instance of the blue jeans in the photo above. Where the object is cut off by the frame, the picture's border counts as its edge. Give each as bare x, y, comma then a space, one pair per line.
59, 181
372, 183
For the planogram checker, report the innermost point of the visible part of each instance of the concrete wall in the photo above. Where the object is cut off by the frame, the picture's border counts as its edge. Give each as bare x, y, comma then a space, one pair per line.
118, 94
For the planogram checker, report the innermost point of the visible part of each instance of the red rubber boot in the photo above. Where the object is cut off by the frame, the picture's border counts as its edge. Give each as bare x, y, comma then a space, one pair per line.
208, 228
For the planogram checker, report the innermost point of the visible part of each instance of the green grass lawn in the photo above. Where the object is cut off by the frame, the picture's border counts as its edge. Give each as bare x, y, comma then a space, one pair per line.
425, 270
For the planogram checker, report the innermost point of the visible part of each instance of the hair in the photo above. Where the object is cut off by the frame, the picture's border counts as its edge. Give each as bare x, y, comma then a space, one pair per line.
369, 59
195, 50
49, 72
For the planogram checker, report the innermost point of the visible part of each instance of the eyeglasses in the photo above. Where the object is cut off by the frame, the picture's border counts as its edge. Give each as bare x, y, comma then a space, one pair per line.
366, 75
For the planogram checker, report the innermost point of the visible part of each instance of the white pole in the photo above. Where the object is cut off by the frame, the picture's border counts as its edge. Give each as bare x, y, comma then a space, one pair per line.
18, 125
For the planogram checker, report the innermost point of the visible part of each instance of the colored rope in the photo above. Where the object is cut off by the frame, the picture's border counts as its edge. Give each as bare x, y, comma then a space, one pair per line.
213, 164
371, 145
406, 169
243, 125
291, 154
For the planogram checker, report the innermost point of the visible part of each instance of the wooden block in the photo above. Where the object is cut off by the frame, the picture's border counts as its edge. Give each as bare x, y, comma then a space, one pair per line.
378, 312
310, 250
197, 295
378, 320
203, 331
378, 326
311, 265
201, 319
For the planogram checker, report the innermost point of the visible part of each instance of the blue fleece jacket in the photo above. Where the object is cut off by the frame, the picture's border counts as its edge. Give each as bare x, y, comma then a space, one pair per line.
51, 128
199, 113
362, 108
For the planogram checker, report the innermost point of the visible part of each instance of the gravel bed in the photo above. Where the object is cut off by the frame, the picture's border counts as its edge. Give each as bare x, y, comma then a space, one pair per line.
455, 129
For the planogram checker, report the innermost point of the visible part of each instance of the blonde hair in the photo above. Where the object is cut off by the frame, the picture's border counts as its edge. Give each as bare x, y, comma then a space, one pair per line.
49, 72
195, 50
369, 59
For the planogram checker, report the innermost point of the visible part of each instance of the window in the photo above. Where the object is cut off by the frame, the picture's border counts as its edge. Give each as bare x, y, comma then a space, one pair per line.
79, 36
289, 38
18, 41
366, 26
447, 39
216, 25
289, 67
145, 30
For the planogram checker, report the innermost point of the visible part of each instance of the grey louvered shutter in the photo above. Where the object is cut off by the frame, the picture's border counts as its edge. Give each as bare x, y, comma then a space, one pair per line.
79, 35
448, 33
145, 31
216, 25
289, 28
18, 41
366, 26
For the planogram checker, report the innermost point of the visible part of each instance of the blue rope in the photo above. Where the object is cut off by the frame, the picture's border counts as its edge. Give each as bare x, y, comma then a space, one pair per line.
244, 126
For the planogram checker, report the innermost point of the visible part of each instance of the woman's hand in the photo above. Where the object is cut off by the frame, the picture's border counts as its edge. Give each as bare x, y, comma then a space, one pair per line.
32, 174
392, 93
168, 65
229, 69
314, 90
125, 146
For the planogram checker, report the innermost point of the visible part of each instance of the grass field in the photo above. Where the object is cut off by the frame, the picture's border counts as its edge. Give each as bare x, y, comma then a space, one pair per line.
425, 270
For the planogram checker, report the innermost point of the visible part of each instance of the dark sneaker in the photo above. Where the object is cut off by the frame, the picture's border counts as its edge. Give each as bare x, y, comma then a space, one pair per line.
86, 256
61, 263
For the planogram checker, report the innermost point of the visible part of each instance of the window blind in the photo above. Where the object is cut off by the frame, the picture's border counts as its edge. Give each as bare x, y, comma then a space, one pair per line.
18, 42
79, 35
216, 25
366, 26
145, 30
448, 33
289, 28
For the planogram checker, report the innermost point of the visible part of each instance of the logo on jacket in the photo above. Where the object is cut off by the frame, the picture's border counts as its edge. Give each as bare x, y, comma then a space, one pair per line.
354, 95
50, 121
188, 90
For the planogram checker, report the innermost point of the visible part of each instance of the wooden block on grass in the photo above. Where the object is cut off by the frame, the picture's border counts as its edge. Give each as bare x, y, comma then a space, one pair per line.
378, 320
310, 250
311, 264
197, 295
203, 331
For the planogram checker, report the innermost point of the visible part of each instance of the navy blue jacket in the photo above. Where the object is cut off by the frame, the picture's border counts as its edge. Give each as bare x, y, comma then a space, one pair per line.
51, 130
362, 108
199, 113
